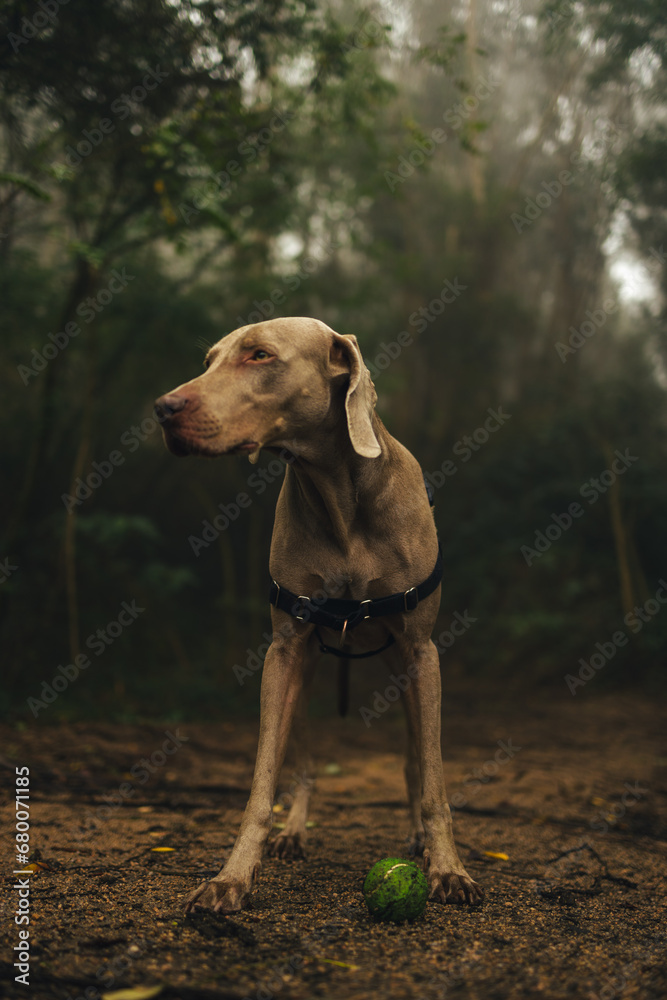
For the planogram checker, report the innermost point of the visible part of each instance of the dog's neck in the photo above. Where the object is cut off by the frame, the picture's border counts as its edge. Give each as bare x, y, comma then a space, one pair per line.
330, 488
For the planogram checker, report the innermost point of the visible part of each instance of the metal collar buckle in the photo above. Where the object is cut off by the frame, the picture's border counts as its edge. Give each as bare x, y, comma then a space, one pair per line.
305, 601
414, 600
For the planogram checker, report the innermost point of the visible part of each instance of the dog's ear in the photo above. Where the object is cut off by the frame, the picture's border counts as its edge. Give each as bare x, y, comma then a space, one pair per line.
345, 357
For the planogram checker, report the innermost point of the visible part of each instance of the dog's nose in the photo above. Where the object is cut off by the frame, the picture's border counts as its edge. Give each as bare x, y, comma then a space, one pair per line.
166, 406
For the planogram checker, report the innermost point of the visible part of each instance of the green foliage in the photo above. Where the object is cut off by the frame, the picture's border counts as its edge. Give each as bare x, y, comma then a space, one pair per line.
310, 213
24, 184
446, 50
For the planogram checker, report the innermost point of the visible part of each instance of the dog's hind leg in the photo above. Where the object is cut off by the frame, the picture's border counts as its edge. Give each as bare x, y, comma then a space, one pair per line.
290, 842
413, 778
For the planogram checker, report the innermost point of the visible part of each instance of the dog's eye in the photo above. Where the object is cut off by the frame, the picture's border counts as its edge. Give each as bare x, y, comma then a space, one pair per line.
261, 355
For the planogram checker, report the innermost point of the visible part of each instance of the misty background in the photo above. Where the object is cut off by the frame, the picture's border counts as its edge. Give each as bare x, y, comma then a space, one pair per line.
477, 191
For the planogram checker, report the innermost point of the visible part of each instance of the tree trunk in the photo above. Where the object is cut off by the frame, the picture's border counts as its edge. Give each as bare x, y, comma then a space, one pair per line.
82, 286
621, 539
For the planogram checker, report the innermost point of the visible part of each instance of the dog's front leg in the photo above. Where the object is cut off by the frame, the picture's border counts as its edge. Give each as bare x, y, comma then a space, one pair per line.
282, 680
448, 880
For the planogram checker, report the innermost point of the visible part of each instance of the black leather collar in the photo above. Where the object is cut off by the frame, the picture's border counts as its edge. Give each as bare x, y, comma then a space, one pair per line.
344, 615
341, 615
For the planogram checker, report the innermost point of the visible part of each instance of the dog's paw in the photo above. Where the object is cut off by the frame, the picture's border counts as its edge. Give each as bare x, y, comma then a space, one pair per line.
224, 896
287, 845
451, 887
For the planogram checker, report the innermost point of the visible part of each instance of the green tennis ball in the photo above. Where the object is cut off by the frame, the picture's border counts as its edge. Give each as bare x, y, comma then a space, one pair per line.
395, 890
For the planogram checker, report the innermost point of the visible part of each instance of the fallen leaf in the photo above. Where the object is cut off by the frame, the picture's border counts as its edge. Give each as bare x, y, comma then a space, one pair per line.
134, 993
496, 854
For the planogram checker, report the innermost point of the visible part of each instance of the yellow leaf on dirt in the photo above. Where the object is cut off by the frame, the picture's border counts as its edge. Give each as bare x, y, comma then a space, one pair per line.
342, 965
162, 850
134, 993
496, 854
33, 867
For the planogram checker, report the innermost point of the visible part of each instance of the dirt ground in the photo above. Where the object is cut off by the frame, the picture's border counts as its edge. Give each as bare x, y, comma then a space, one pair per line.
564, 825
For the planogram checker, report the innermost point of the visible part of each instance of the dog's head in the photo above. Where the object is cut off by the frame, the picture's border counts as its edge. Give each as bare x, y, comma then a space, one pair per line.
269, 385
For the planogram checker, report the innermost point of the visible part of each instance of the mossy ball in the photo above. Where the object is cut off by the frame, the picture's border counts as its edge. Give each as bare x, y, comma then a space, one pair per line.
395, 890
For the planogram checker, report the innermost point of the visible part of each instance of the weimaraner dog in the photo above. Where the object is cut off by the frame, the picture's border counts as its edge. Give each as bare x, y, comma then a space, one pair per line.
353, 551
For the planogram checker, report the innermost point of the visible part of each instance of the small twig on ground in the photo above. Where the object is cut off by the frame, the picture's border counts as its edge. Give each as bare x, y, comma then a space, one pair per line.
618, 879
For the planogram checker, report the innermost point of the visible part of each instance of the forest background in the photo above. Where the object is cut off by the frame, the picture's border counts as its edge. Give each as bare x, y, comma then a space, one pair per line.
476, 190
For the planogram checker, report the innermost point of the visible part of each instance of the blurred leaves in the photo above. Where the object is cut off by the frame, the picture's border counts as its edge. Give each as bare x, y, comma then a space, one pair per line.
259, 164
25, 184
